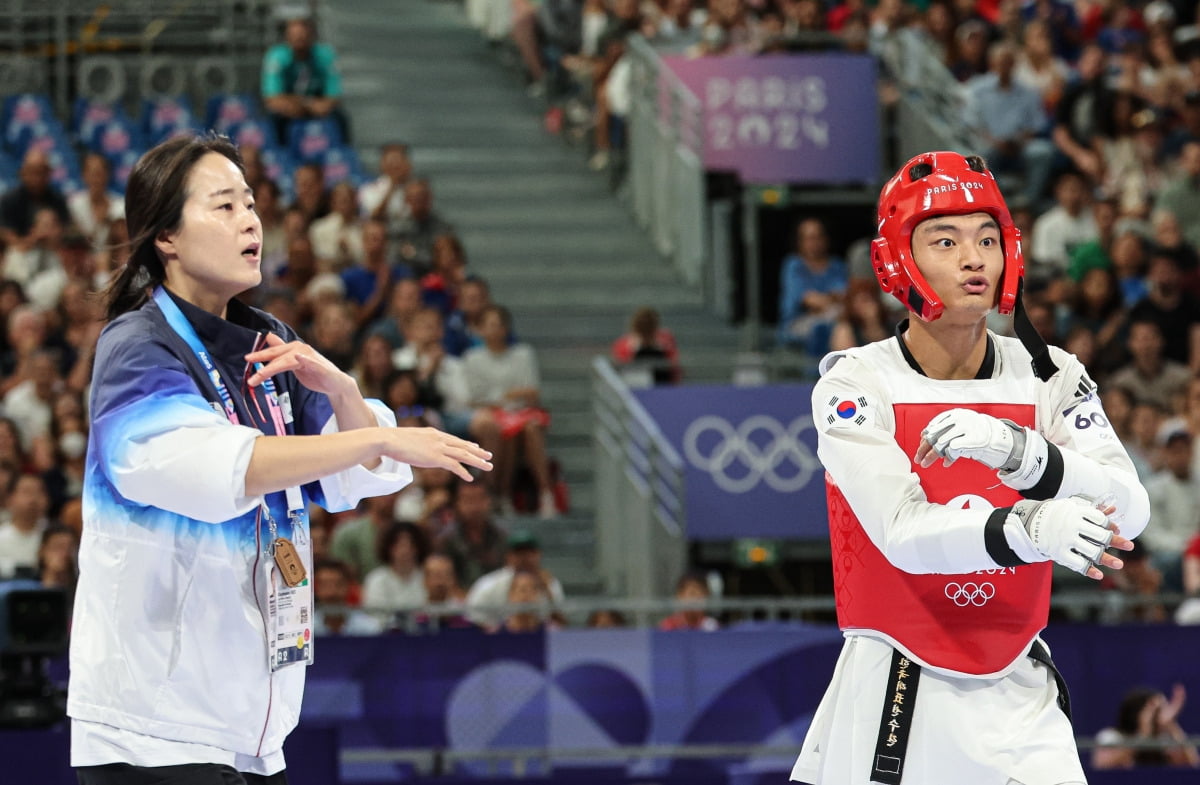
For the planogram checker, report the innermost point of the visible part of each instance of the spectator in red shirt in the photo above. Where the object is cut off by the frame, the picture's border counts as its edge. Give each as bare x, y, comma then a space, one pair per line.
647, 341
691, 593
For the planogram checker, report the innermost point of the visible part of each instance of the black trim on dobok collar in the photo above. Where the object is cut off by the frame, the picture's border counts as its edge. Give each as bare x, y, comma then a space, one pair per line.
987, 369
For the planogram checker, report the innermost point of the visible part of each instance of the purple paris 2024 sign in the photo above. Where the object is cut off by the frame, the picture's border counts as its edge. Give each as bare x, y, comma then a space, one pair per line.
788, 118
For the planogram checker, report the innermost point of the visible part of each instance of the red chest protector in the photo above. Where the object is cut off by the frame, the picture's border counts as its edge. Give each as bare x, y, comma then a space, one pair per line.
974, 623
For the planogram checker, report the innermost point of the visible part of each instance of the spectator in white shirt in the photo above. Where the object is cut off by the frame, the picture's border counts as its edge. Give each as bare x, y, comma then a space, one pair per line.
23, 523
441, 377
42, 255
490, 592
337, 238
29, 403
1061, 229
95, 207
1037, 65
398, 583
1174, 504
504, 378
383, 197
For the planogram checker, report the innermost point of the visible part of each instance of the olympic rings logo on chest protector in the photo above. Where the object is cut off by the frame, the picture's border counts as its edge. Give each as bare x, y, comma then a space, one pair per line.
970, 593
761, 463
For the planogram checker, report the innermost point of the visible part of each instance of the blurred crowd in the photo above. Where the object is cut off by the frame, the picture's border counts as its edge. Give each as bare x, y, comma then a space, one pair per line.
364, 267
1088, 112
575, 53
1089, 115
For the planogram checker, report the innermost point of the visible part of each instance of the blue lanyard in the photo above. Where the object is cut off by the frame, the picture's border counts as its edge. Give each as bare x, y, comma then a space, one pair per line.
179, 323
184, 330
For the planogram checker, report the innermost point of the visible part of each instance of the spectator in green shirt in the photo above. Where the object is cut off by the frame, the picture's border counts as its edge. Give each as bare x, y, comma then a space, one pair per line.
300, 80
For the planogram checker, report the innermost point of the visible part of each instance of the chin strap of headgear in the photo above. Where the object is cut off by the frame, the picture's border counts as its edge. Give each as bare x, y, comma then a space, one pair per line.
1033, 342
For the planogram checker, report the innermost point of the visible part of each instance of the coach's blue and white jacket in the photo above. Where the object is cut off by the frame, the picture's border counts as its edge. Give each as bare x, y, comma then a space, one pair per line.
168, 638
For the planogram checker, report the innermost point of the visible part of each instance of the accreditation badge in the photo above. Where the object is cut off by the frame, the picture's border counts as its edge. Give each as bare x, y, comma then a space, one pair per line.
289, 600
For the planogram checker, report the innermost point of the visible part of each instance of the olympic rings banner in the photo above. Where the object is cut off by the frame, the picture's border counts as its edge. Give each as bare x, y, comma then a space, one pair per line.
751, 458
806, 118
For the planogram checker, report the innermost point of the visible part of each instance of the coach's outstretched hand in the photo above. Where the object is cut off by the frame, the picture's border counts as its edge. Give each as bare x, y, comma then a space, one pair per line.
431, 448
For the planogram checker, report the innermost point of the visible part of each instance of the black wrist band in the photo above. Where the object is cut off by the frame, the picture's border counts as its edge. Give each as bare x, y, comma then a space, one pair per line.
996, 543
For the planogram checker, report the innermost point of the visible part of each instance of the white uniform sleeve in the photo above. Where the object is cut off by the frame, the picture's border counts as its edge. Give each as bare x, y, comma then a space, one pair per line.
876, 477
1084, 455
345, 489
198, 470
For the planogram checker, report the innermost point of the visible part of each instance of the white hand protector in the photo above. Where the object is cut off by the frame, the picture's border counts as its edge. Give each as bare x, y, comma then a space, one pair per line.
1070, 532
963, 433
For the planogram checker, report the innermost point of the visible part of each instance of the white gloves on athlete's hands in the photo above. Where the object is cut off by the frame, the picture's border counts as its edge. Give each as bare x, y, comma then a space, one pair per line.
1070, 532
963, 433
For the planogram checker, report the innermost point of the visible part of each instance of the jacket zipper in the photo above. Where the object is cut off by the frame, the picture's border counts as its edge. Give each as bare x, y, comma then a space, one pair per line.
266, 630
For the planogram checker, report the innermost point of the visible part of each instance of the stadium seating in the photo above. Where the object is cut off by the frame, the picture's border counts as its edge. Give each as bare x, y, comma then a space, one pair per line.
164, 117
89, 114
114, 137
228, 109
340, 164
310, 140
254, 132
278, 164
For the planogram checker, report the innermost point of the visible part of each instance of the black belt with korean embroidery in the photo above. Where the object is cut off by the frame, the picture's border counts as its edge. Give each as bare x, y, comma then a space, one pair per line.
900, 699
903, 677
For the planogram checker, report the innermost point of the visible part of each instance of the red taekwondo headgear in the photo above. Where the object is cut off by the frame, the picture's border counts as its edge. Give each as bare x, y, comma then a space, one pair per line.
931, 184
947, 183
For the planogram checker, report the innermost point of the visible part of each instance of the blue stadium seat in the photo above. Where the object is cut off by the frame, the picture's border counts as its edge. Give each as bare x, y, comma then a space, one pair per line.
26, 117
228, 109
64, 168
309, 140
88, 114
341, 164
41, 135
9, 172
114, 137
165, 117
278, 165
254, 132
8, 167
26, 109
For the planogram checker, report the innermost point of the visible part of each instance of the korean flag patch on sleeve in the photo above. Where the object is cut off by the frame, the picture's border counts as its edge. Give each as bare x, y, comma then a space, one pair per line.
847, 411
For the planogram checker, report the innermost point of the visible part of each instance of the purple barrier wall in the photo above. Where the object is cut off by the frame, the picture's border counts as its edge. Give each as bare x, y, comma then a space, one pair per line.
583, 689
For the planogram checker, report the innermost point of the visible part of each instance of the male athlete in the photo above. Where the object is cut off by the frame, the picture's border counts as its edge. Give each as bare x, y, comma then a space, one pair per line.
960, 465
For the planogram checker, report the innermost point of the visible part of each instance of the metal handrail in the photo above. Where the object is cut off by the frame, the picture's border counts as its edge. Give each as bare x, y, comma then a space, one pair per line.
666, 163
686, 110
761, 609
640, 515
664, 462
932, 100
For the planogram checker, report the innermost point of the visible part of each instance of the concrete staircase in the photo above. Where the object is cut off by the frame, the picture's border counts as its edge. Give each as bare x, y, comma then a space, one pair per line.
558, 248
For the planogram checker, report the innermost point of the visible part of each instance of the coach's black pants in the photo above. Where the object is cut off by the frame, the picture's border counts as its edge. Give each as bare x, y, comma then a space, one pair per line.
187, 774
